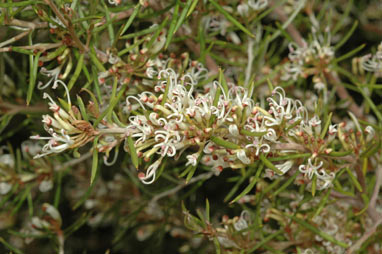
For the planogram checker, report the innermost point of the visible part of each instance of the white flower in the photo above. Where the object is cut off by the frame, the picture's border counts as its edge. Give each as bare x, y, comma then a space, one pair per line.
233, 130
7, 160
56, 143
114, 2
324, 180
52, 212
370, 133
257, 4
45, 185
241, 155
243, 9
310, 169
242, 223
54, 74
373, 63
149, 177
5, 188
285, 166
265, 148
192, 159
315, 122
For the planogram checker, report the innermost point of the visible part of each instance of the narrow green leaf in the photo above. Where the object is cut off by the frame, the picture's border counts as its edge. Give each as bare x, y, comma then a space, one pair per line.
171, 29
340, 154
323, 201
131, 18
239, 182
182, 15
113, 102
164, 100
250, 186
95, 161
371, 150
207, 210
286, 184
57, 194
110, 28
354, 179
230, 18
371, 103
217, 245
252, 133
10, 247
314, 185
30, 204
326, 126
269, 164
54, 54
265, 240
192, 8
347, 36
82, 108
349, 54
318, 232
133, 152
224, 143
13, 4
32, 75
290, 157
77, 224
157, 30
77, 72
94, 58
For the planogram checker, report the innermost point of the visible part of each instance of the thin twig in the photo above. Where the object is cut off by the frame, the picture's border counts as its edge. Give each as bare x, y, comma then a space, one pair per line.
289, 146
115, 17
29, 24
293, 32
68, 25
15, 38
365, 237
172, 191
73, 162
344, 95
38, 46
248, 70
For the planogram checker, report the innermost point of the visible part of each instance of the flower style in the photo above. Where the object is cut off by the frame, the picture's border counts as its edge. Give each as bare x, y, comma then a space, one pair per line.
310, 169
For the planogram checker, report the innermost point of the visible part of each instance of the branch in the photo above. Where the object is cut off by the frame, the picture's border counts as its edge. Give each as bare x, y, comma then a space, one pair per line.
68, 25
38, 46
73, 162
30, 25
15, 38
289, 146
365, 237
172, 191
344, 95
293, 32
116, 16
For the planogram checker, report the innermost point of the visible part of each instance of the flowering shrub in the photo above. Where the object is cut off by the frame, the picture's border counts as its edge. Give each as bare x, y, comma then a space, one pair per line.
190, 127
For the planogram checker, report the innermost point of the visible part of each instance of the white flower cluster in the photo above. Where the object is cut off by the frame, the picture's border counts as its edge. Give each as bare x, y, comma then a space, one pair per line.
66, 129
256, 5
373, 63
218, 24
306, 60
181, 117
